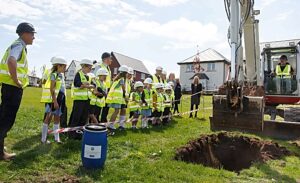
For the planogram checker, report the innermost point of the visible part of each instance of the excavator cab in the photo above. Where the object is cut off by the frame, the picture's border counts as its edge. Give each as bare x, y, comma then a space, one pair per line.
278, 89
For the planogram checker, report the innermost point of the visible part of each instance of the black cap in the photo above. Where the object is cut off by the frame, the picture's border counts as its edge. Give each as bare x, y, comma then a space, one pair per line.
25, 27
105, 55
283, 57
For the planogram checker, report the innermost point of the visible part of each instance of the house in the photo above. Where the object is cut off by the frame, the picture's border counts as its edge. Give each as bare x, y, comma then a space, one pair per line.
71, 72
140, 70
33, 80
213, 74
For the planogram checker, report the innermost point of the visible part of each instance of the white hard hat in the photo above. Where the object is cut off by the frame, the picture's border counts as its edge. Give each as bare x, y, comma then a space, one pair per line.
123, 68
159, 68
159, 85
138, 84
130, 70
86, 62
148, 81
164, 72
102, 72
92, 75
171, 83
168, 87
58, 60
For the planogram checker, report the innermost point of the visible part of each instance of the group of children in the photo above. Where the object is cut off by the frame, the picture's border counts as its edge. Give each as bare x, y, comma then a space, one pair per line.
90, 94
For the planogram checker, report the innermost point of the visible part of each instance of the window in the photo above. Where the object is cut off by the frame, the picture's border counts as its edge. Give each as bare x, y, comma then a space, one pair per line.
142, 76
211, 67
189, 68
115, 70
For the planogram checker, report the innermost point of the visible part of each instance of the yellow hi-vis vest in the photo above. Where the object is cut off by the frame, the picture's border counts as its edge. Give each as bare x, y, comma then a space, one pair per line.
148, 99
80, 93
286, 73
134, 105
108, 78
160, 102
115, 94
46, 93
100, 102
168, 100
128, 88
22, 68
91, 95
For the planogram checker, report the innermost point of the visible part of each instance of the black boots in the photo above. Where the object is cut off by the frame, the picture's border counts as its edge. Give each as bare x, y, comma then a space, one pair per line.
3, 154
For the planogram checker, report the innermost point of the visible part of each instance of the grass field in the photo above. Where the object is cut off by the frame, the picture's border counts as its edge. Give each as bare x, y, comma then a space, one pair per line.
132, 156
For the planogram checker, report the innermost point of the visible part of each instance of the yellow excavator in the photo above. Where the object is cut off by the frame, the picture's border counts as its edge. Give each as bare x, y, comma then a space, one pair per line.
253, 90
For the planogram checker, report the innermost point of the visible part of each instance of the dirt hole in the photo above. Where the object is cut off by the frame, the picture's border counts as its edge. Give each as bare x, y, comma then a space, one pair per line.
229, 151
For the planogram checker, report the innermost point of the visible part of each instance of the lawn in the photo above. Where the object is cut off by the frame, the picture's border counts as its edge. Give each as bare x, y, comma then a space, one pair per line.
133, 156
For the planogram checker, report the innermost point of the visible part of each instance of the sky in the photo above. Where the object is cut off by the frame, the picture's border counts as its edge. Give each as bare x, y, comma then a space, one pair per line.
158, 32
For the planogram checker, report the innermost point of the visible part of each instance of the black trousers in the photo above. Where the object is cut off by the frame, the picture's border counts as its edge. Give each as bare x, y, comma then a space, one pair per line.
97, 113
79, 116
166, 112
104, 114
192, 108
11, 97
176, 107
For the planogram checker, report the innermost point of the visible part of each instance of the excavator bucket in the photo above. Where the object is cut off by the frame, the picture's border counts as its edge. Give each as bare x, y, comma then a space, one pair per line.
249, 119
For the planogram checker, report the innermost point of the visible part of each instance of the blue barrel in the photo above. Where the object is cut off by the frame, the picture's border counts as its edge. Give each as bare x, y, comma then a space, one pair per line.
94, 146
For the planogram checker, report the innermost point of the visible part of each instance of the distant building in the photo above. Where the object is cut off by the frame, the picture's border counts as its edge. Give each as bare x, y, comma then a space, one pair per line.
140, 70
33, 81
215, 69
71, 72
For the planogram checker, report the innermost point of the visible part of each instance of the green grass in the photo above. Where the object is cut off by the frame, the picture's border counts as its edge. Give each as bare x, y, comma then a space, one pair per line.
132, 156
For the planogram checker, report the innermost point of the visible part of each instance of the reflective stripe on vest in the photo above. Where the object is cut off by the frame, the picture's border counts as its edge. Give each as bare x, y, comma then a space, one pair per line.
160, 102
134, 105
168, 100
148, 99
115, 94
128, 88
46, 92
286, 73
80, 93
108, 78
100, 102
22, 68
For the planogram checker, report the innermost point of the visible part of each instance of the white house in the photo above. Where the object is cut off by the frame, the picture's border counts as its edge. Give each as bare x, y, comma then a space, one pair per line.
214, 70
71, 72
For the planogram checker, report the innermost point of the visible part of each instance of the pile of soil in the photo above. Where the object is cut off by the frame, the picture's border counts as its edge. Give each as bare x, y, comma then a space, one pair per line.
229, 151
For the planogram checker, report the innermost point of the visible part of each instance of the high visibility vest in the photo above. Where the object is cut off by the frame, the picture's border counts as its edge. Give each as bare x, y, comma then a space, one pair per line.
115, 94
134, 105
160, 102
100, 102
155, 81
173, 95
148, 99
168, 100
46, 93
108, 78
286, 73
80, 93
22, 68
128, 88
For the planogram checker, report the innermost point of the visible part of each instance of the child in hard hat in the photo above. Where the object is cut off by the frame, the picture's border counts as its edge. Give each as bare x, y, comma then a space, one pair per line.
54, 94
93, 98
167, 104
135, 103
128, 83
158, 103
146, 111
116, 95
80, 91
100, 91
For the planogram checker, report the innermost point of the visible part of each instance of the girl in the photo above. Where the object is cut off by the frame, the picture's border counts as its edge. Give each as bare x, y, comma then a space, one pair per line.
195, 99
146, 102
100, 91
80, 88
135, 102
116, 96
158, 100
54, 94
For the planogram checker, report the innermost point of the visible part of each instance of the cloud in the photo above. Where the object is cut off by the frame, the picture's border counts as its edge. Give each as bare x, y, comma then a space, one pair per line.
283, 16
180, 33
164, 3
12, 8
10, 28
